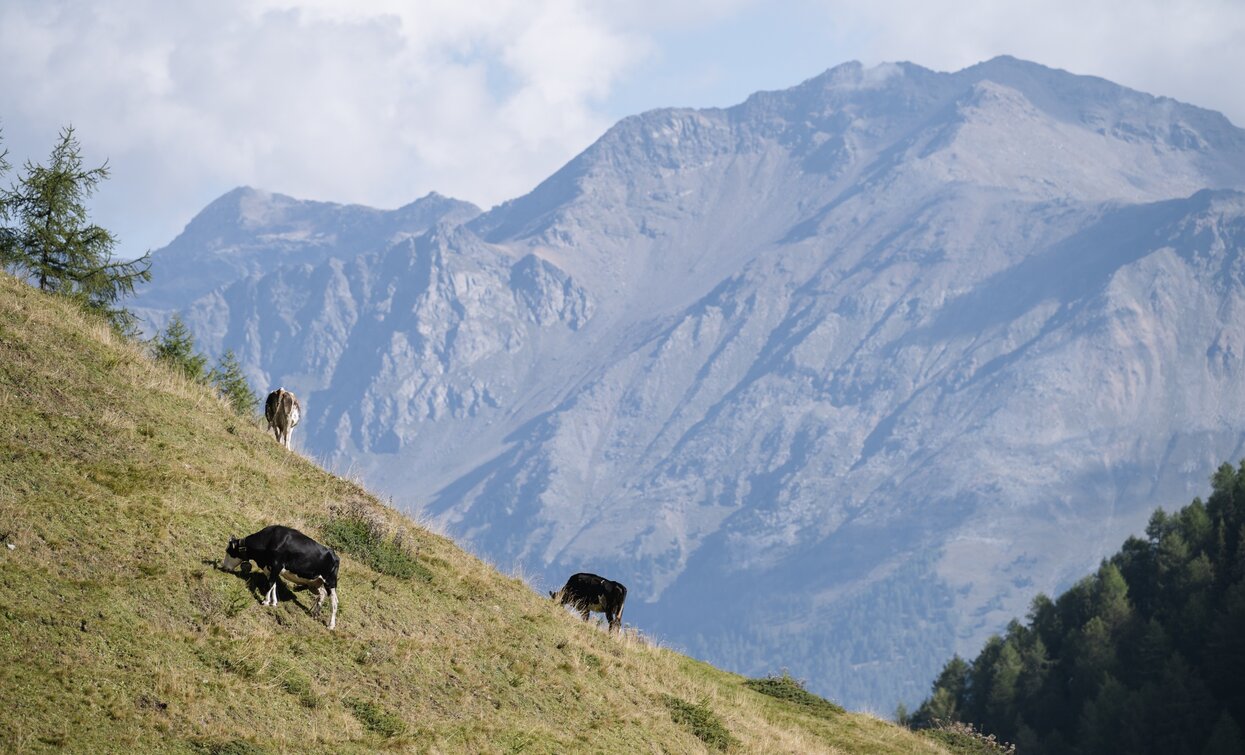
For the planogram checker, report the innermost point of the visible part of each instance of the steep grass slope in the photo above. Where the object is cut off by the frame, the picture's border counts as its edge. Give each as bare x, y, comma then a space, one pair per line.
119, 486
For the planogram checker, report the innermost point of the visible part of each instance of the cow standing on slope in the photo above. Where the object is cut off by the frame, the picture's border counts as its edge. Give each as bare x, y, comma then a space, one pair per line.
588, 592
282, 411
285, 552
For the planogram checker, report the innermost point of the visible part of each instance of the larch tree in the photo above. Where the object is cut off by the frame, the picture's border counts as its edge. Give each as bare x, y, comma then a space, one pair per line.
54, 245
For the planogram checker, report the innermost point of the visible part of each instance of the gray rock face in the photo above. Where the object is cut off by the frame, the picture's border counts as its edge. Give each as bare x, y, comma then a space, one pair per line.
835, 380
250, 232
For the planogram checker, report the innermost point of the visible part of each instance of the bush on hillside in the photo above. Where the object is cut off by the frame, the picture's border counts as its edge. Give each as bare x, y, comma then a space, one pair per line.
367, 538
375, 718
963, 739
785, 687
700, 721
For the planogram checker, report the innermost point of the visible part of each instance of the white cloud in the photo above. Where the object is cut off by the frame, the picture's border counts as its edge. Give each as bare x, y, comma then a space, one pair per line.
381, 101
375, 102
1187, 49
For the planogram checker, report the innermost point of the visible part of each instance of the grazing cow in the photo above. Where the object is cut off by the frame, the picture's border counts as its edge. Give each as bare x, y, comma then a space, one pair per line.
588, 592
286, 552
282, 411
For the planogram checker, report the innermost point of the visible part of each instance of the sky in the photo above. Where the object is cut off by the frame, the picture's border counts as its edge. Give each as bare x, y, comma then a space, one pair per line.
379, 102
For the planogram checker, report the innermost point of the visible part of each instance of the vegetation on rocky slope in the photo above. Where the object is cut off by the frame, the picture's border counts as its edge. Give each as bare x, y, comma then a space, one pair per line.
1145, 656
121, 481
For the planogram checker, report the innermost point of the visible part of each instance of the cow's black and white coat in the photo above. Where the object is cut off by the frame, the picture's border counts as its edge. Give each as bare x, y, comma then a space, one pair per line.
283, 412
588, 592
286, 552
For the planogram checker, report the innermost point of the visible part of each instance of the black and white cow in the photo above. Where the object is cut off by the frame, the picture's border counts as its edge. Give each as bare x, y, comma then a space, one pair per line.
286, 552
588, 592
282, 411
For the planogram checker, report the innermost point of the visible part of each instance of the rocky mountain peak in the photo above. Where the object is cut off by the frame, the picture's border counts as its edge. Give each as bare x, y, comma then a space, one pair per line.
835, 379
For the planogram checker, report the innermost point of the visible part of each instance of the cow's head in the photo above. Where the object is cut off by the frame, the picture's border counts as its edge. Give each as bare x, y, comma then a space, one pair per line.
235, 554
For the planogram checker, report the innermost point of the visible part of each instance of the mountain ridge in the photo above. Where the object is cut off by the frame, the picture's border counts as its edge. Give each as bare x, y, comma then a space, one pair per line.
888, 328
248, 231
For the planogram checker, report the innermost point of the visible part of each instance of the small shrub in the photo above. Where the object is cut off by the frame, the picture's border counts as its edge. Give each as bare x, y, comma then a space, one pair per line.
701, 721
963, 739
218, 655
367, 542
373, 653
376, 719
299, 686
786, 688
230, 747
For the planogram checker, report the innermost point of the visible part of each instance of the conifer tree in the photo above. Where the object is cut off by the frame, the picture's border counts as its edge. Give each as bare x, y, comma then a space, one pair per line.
1145, 656
55, 246
7, 241
1225, 738
176, 347
228, 378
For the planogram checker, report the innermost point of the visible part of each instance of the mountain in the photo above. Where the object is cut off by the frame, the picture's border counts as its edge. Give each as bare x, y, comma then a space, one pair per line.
123, 482
835, 380
250, 232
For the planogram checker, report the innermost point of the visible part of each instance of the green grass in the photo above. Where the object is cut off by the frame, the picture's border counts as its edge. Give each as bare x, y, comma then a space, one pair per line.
700, 720
369, 543
784, 687
963, 739
375, 718
230, 747
121, 483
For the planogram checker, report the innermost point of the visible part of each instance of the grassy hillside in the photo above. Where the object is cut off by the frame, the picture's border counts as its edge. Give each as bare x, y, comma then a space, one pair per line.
120, 484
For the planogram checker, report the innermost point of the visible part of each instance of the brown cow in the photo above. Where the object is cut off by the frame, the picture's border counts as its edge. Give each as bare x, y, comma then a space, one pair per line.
282, 411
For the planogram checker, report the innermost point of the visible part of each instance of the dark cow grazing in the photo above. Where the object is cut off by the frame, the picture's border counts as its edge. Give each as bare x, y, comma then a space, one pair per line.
286, 552
588, 592
282, 411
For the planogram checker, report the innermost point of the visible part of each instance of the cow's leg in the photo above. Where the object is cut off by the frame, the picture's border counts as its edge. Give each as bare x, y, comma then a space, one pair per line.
275, 577
333, 608
321, 593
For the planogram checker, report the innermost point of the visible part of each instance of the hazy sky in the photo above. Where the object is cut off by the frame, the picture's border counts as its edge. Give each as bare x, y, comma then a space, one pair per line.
381, 101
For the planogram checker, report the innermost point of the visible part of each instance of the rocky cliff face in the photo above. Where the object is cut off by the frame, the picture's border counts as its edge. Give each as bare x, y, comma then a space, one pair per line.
248, 232
835, 380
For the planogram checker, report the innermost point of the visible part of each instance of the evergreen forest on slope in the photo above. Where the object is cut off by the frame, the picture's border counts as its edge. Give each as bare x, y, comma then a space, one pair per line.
1145, 656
